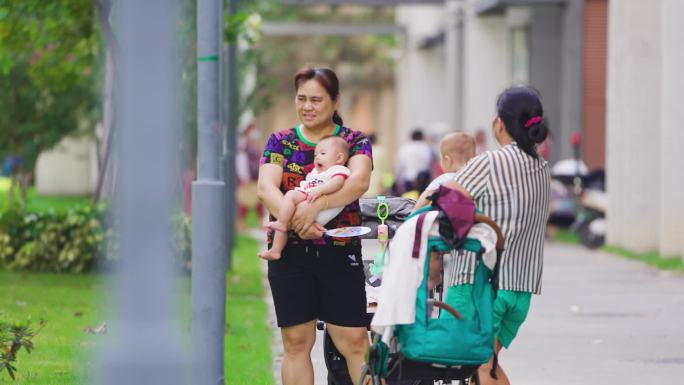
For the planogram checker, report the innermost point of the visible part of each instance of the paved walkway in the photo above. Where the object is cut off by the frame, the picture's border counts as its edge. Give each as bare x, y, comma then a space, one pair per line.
601, 319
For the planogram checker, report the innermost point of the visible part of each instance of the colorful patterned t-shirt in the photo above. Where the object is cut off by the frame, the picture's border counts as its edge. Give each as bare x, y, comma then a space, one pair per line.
295, 154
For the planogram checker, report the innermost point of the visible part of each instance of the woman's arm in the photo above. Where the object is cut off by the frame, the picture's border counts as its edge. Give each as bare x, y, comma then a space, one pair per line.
268, 187
354, 187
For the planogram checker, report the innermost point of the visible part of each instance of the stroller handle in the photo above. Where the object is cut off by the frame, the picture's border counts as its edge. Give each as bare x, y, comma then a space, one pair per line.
500, 239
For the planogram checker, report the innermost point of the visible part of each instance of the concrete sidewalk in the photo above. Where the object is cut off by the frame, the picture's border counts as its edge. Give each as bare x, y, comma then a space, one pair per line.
601, 319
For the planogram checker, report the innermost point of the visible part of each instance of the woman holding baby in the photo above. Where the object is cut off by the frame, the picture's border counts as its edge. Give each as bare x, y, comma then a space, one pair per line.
316, 277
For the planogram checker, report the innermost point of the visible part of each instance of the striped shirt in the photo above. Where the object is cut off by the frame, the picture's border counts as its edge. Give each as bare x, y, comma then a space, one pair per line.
512, 188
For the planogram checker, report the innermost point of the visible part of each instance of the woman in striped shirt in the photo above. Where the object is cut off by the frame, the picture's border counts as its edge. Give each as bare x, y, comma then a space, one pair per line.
511, 186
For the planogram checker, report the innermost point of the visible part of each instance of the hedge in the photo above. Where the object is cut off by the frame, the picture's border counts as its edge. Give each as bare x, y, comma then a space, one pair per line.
75, 241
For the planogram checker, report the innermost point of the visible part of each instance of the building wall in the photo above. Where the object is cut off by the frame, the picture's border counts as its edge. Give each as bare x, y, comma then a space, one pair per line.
486, 67
421, 72
634, 124
69, 169
571, 99
545, 68
595, 54
671, 242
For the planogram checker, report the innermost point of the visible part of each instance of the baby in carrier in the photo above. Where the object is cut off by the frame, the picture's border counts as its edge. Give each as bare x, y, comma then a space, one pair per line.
327, 177
455, 150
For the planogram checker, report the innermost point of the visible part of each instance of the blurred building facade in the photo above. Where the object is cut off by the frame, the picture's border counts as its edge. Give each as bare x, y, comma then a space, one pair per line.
69, 169
607, 69
457, 57
645, 167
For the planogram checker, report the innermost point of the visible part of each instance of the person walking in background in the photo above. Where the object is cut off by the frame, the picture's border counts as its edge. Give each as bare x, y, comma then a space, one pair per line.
420, 184
480, 141
316, 277
511, 186
381, 178
247, 172
413, 158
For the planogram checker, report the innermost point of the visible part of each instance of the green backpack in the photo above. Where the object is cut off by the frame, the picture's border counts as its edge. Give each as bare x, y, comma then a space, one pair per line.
447, 340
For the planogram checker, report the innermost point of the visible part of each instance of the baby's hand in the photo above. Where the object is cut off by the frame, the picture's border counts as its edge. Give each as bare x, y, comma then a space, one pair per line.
312, 195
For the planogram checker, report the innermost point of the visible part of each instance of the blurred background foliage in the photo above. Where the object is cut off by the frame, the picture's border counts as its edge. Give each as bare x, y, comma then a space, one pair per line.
276, 58
53, 62
49, 54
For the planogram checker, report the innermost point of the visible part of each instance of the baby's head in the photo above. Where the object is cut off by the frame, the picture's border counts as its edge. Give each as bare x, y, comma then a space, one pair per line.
455, 150
330, 151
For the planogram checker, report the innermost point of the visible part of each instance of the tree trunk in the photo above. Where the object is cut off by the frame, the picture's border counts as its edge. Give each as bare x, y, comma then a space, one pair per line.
104, 164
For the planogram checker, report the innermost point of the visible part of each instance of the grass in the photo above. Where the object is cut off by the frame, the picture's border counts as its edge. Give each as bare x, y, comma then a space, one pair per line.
651, 258
38, 202
248, 337
70, 303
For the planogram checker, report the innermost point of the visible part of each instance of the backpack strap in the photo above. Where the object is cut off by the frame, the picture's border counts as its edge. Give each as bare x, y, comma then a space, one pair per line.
419, 233
495, 363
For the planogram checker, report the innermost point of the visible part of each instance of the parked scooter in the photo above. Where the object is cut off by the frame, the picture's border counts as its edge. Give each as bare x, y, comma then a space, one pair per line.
578, 199
590, 224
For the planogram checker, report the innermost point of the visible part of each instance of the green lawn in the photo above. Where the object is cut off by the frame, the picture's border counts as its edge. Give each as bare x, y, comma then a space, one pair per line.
650, 258
70, 303
40, 202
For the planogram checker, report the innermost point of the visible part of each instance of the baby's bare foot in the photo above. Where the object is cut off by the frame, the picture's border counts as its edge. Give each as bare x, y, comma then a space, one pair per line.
269, 255
275, 225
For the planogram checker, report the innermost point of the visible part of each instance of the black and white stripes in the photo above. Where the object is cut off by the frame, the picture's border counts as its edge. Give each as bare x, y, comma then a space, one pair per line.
512, 188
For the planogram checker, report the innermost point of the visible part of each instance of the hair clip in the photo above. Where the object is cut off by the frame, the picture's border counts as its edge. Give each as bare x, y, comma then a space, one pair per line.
532, 120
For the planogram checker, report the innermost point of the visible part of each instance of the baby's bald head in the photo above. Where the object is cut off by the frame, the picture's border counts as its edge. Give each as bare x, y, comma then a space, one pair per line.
455, 150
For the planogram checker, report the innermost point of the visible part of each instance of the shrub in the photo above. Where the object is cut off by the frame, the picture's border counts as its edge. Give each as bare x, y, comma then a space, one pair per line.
13, 337
75, 241
48, 241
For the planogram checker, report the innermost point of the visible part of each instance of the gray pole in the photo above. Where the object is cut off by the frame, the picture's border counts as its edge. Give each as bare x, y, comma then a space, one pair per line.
145, 349
230, 145
453, 47
209, 249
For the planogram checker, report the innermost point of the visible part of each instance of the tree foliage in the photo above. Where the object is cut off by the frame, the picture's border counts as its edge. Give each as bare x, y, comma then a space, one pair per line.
277, 58
48, 56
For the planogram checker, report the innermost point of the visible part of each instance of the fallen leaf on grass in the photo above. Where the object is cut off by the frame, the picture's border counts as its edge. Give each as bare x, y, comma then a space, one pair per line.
102, 329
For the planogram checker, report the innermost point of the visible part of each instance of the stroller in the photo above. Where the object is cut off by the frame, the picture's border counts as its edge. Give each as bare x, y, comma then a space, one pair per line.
418, 353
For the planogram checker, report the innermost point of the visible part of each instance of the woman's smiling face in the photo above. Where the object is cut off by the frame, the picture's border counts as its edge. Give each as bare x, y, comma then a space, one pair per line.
314, 106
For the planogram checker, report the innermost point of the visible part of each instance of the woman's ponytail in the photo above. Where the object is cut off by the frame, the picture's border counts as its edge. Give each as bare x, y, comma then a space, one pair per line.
337, 118
522, 113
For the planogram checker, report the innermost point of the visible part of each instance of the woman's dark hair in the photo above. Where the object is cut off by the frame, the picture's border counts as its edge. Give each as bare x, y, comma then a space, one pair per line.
522, 113
325, 77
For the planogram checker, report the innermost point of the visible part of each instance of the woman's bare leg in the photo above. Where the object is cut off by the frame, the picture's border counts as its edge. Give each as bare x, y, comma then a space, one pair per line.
298, 341
352, 343
483, 371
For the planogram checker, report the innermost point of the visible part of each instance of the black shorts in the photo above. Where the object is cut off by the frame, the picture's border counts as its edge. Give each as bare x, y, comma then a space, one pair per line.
319, 282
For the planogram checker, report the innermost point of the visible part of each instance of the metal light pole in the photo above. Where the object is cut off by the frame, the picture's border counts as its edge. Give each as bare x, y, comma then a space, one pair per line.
209, 248
145, 350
